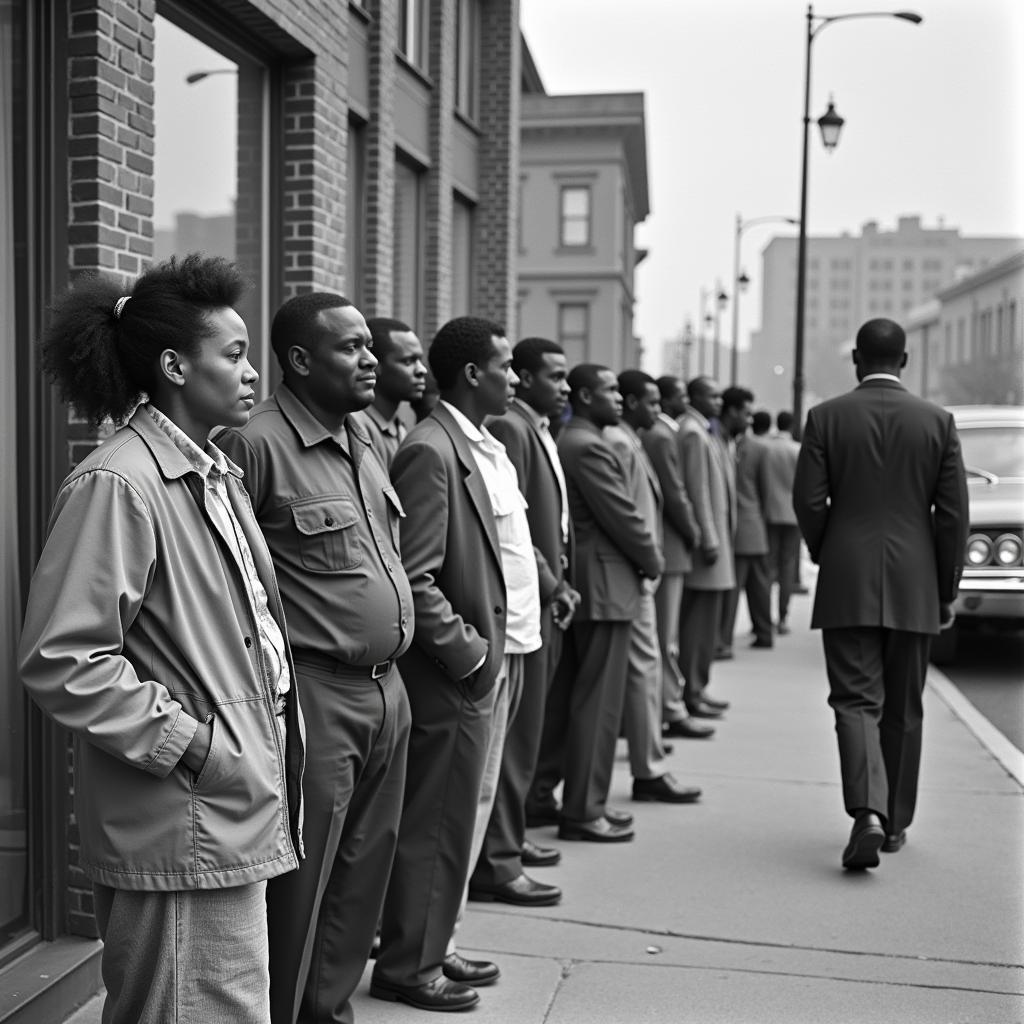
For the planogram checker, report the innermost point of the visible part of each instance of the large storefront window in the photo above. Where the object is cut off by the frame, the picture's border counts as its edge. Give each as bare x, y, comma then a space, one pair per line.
212, 187
13, 789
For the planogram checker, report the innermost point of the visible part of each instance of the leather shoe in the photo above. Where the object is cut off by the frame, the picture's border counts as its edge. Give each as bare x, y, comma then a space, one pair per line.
538, 815
616, 817
600, 830
686, 730
723, 654
762, 643
894, 842
664, 789
439, 994
718, 705
782, 628
534, 856
469, 972
866, 838
522, 891
701, 709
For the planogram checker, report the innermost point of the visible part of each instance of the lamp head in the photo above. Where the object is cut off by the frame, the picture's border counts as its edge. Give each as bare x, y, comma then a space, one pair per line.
910, 16
831, 125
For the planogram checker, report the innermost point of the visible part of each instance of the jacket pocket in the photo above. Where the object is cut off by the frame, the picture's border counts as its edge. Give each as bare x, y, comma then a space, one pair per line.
395, 514
328, 540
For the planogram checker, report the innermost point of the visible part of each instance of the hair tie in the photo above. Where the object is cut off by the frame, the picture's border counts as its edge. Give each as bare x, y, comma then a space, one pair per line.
119, 306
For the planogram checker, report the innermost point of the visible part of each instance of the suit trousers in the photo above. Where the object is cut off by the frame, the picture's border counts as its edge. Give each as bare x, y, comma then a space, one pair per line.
448, 745
191, 957
550, 770
641, 711
876, 679
667, 602
752, 578
784, 554
601, 659
700, 614
323, 916
501, 858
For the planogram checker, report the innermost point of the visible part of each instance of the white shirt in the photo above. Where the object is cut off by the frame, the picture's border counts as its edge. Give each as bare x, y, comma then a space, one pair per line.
881, 376
518, 562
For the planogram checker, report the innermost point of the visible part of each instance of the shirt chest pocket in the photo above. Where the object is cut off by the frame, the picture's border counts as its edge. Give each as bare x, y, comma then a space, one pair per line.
328, 534
395, 514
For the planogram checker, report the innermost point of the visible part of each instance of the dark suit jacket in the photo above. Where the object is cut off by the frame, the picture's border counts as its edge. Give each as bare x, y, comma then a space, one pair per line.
614, 549
451, 556
881, 499
537, 480
751, 494
681, 532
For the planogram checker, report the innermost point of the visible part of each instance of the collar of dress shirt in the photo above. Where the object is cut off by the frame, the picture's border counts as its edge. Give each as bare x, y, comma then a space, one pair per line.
880, 376
671, 423
539, 421
699, 417
477, 435
203, 461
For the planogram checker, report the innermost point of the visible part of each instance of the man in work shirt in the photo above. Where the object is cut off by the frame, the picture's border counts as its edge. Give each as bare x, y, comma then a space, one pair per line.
330, 516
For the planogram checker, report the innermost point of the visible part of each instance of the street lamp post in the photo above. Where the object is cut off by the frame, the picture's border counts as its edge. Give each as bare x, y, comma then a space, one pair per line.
720, 300
737, 281
830, 124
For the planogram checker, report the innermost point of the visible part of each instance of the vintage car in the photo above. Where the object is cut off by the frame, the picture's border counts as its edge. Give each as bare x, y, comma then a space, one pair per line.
992, 588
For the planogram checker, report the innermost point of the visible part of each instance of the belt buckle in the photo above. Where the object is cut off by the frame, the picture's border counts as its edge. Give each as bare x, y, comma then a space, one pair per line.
380, 670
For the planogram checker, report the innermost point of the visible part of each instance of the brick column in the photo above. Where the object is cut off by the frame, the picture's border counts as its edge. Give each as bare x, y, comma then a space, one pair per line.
496, 216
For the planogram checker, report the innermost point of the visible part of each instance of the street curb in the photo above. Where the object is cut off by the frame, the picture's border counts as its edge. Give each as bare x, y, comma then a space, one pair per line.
984, 731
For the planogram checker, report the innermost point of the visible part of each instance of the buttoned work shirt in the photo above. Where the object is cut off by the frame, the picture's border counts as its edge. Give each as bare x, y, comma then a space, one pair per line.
330, 516
385, 435
518, 561
543, 425
213, 467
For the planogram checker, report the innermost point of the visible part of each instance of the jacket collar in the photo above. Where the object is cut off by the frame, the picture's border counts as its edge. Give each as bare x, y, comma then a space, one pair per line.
580, 423
310, 430
170, 461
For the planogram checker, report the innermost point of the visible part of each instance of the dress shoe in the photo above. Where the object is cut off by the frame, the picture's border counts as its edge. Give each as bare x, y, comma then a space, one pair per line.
895, 842
470, 972
866, 838
783, 628
439, 994
718, 705
600, 830
538, 815
723, 654
617, 817
761, 642
534, 856
701, 709
687, 730
664, 789
522, 892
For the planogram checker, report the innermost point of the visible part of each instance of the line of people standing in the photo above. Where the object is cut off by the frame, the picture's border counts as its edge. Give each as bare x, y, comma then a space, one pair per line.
326, 668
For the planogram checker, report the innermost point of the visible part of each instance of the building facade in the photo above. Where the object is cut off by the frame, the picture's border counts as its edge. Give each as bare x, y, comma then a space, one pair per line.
583, 190
966, 345
356, 147
850, 278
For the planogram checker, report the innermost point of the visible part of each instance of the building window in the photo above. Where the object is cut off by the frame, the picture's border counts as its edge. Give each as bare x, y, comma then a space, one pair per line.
467, 47
413, 26
574, 331
462, 256
575, 216
409, 240
355, 213
212, 112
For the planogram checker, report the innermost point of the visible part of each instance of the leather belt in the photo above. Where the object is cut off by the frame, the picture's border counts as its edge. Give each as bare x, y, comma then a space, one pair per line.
304, 656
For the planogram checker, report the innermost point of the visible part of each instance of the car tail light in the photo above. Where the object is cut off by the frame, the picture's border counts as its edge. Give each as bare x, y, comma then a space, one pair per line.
979, 549
1008, 550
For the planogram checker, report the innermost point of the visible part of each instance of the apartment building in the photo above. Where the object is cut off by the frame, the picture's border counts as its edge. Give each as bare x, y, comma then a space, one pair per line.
851, 278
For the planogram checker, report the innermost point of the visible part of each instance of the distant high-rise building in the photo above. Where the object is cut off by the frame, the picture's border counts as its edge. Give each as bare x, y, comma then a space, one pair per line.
851, 278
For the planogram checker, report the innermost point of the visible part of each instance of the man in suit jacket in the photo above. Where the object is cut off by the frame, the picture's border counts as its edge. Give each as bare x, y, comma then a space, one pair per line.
783, 531
542, 393
709, 483
642, 707
881, 499
614, 554
750, 544
680, 535
467, 553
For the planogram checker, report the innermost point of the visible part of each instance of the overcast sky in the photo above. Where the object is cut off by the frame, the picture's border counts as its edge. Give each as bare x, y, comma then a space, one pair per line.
934, 125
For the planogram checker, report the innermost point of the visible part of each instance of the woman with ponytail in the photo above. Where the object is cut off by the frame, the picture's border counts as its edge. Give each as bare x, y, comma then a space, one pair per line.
154, 633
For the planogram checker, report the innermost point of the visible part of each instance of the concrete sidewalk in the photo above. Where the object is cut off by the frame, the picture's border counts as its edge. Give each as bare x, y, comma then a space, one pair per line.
736, 909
